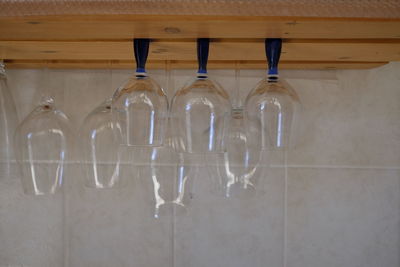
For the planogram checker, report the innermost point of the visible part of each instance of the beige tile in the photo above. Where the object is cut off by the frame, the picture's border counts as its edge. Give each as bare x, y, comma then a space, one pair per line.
31, 228
84, 91
24, 85
349, 121
248, 80
115, 227
221, 232
29, 85
343, 217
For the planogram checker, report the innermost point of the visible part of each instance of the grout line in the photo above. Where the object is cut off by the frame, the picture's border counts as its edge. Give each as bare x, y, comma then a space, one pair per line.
285, 208
65, 228
336, 167
298, 166
173, 237
272, 166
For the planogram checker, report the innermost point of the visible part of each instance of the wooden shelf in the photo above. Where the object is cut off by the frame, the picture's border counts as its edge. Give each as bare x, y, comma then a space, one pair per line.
105, 41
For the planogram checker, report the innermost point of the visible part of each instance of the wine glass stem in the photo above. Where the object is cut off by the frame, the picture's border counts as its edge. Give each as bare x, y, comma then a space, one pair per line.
237, 102
45, 90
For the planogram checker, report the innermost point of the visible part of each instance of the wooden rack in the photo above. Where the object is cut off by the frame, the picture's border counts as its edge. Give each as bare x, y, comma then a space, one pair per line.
94, 41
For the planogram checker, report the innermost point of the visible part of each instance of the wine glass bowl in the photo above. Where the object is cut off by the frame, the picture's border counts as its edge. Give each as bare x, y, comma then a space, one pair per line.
100, 148
236, 172
140, 108
270, 109
198, 115
41, 142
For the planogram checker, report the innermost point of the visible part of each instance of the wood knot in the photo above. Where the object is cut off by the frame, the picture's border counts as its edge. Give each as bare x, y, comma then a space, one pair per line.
172, 30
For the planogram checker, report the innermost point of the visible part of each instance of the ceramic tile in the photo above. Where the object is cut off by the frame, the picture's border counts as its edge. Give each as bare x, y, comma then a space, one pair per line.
232, 232
115, 227
248, 80
24, 85
31, 228
84, 91
29, 86
349, 121
343, 217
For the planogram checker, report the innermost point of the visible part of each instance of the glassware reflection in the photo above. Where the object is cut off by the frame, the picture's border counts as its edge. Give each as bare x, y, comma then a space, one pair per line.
236, 172
41, 142
8, 122
169, 181
140, 106
100, 148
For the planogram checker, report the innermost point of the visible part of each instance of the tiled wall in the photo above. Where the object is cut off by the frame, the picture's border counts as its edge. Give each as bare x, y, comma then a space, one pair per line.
332, 200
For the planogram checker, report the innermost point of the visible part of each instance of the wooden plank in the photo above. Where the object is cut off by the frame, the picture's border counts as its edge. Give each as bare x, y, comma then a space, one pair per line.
310, 8
129, 64
117, 27
301, 50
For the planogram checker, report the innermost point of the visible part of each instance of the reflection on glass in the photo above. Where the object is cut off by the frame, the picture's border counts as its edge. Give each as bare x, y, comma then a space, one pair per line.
8, 121
236, 172
100, 148
41, 148
169, 181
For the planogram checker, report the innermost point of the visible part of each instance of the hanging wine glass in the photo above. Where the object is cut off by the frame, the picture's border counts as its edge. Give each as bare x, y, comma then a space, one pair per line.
199, 110
41, 142
140, 106
235, 172
8, 122
272, 105
100, 148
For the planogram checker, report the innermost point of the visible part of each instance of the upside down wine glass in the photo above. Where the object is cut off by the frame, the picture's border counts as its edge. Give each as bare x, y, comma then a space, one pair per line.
235, 172
140, 106
100, 146
41, 144
272, 105
198, 111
